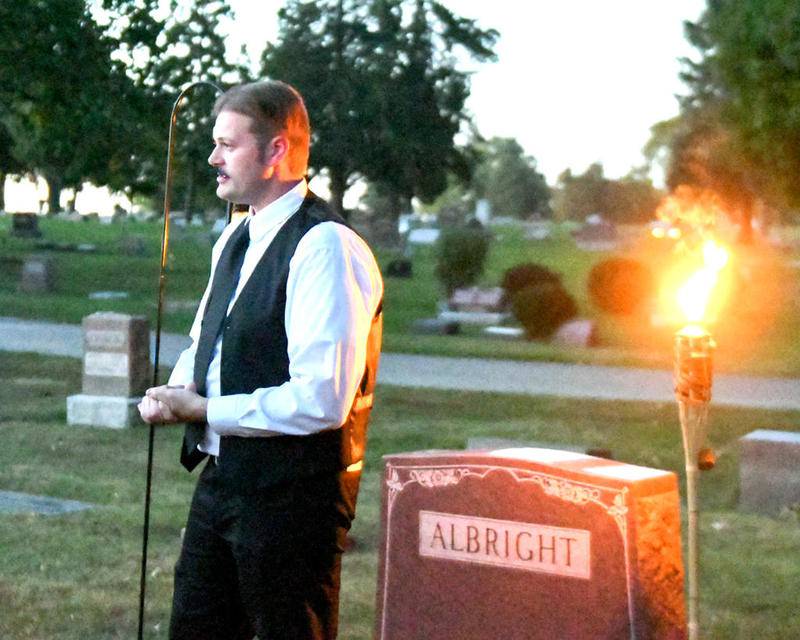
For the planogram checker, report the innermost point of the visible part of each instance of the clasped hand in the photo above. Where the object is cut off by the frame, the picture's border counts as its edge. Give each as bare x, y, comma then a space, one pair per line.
170, 404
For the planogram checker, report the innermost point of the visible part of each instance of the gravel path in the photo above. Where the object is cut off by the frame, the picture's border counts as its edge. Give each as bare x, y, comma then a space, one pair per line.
468, 374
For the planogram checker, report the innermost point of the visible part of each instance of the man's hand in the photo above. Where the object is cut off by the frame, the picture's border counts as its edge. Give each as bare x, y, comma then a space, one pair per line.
168, 405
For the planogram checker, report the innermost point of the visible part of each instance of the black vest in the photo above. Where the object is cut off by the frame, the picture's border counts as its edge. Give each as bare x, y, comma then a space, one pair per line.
254, 355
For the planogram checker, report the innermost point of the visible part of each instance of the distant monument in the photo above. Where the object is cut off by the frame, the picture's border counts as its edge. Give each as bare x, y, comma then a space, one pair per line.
25, 225
769, 472
597, 234
528, 544
37, 274
116, 371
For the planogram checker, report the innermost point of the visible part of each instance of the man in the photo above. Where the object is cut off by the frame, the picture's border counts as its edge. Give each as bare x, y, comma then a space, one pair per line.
276, 388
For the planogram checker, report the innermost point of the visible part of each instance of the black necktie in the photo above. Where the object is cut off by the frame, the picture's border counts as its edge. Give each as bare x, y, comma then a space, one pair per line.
226, 277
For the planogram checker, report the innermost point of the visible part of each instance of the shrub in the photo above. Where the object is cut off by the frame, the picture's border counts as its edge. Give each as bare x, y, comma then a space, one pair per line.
460, 257
542, 308
526, 275
620, 285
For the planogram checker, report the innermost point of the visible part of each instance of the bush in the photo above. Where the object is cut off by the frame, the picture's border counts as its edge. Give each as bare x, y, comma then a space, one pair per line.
460, 257
542, 308
526, 275
620, 285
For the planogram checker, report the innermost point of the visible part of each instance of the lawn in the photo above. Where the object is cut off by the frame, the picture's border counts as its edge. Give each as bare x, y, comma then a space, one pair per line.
76, 576
756, 335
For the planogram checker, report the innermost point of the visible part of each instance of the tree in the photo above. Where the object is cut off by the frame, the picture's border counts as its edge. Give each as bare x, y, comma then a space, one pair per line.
580, 196
422, 97
162, 57
92, 101
508, 179
633, 199
53, 108
196, 52
741, 111
382, 89
321, 49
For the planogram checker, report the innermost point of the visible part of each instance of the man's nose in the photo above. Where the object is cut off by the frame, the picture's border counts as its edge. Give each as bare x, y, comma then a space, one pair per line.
213, 159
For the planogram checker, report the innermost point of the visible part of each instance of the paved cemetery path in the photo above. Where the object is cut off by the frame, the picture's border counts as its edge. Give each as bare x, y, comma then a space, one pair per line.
469, 374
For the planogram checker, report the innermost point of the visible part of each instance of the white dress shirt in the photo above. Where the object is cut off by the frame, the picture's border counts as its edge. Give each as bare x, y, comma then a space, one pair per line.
332, 294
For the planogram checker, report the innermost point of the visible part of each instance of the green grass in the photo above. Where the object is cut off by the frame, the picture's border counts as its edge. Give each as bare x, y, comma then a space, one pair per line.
757, 334
75, 577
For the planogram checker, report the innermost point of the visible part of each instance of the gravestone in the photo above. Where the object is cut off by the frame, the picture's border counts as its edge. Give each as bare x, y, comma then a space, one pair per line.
478, 299
580, 332
435, 327
528, 544
37, 275
597, 234
15, 502
769, 471
25, 225
116, 371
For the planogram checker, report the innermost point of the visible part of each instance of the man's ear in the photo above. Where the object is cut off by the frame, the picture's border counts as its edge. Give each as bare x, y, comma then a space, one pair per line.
277, 149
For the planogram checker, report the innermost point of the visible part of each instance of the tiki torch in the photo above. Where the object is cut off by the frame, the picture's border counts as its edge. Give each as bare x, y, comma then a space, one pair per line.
162, 281
693, 379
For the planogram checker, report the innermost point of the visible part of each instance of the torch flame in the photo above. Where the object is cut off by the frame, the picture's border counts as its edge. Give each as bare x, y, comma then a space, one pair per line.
694, 295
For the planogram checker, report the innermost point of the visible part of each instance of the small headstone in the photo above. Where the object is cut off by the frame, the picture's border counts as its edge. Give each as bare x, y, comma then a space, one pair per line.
493, 442
576, 333
108, 295
528, 544
483, 212
399, 268
25, 225
218, 227
37, 274
506, 333
769, 471
423, 236
132, 245
116, 371
538, 230
478, 299
598, 234
15, 502
435, 327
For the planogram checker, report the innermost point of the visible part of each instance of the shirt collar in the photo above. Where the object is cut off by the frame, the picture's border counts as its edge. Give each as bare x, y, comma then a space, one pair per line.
277, 212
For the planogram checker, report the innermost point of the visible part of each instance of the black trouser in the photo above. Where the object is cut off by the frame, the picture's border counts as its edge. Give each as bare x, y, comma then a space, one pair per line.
264, 561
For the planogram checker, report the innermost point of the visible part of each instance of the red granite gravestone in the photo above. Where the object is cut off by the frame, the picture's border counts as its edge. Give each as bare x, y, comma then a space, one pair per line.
528, 544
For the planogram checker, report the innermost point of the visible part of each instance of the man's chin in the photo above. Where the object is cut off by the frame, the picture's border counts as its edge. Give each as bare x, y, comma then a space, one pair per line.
225, 194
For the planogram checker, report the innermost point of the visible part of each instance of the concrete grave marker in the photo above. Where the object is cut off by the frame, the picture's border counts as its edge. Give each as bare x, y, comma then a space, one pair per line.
528, 544
37, 275
25, 225
116, 371
15, 502
769, 471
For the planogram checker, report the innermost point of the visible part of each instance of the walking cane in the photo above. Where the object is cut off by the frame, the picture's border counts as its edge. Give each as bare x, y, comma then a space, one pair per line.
162, 277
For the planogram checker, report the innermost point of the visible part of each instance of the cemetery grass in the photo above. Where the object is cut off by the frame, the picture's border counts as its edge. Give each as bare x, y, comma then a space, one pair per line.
757, 337
75, 576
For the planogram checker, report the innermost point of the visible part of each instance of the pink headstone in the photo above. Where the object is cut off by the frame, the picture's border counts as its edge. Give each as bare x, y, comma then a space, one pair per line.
528, 544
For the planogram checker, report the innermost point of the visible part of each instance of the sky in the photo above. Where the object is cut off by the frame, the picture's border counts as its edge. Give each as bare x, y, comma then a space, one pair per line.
575, 82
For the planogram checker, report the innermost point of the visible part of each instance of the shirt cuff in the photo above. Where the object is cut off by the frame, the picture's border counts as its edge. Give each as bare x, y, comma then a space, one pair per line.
222, 412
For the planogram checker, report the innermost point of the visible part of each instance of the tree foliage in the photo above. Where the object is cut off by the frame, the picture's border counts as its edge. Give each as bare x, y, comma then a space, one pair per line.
91, 100
508, 179
631, 199
383, 89
740, 120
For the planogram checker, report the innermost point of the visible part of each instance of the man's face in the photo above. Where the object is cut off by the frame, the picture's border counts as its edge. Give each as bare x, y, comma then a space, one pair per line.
242, 173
